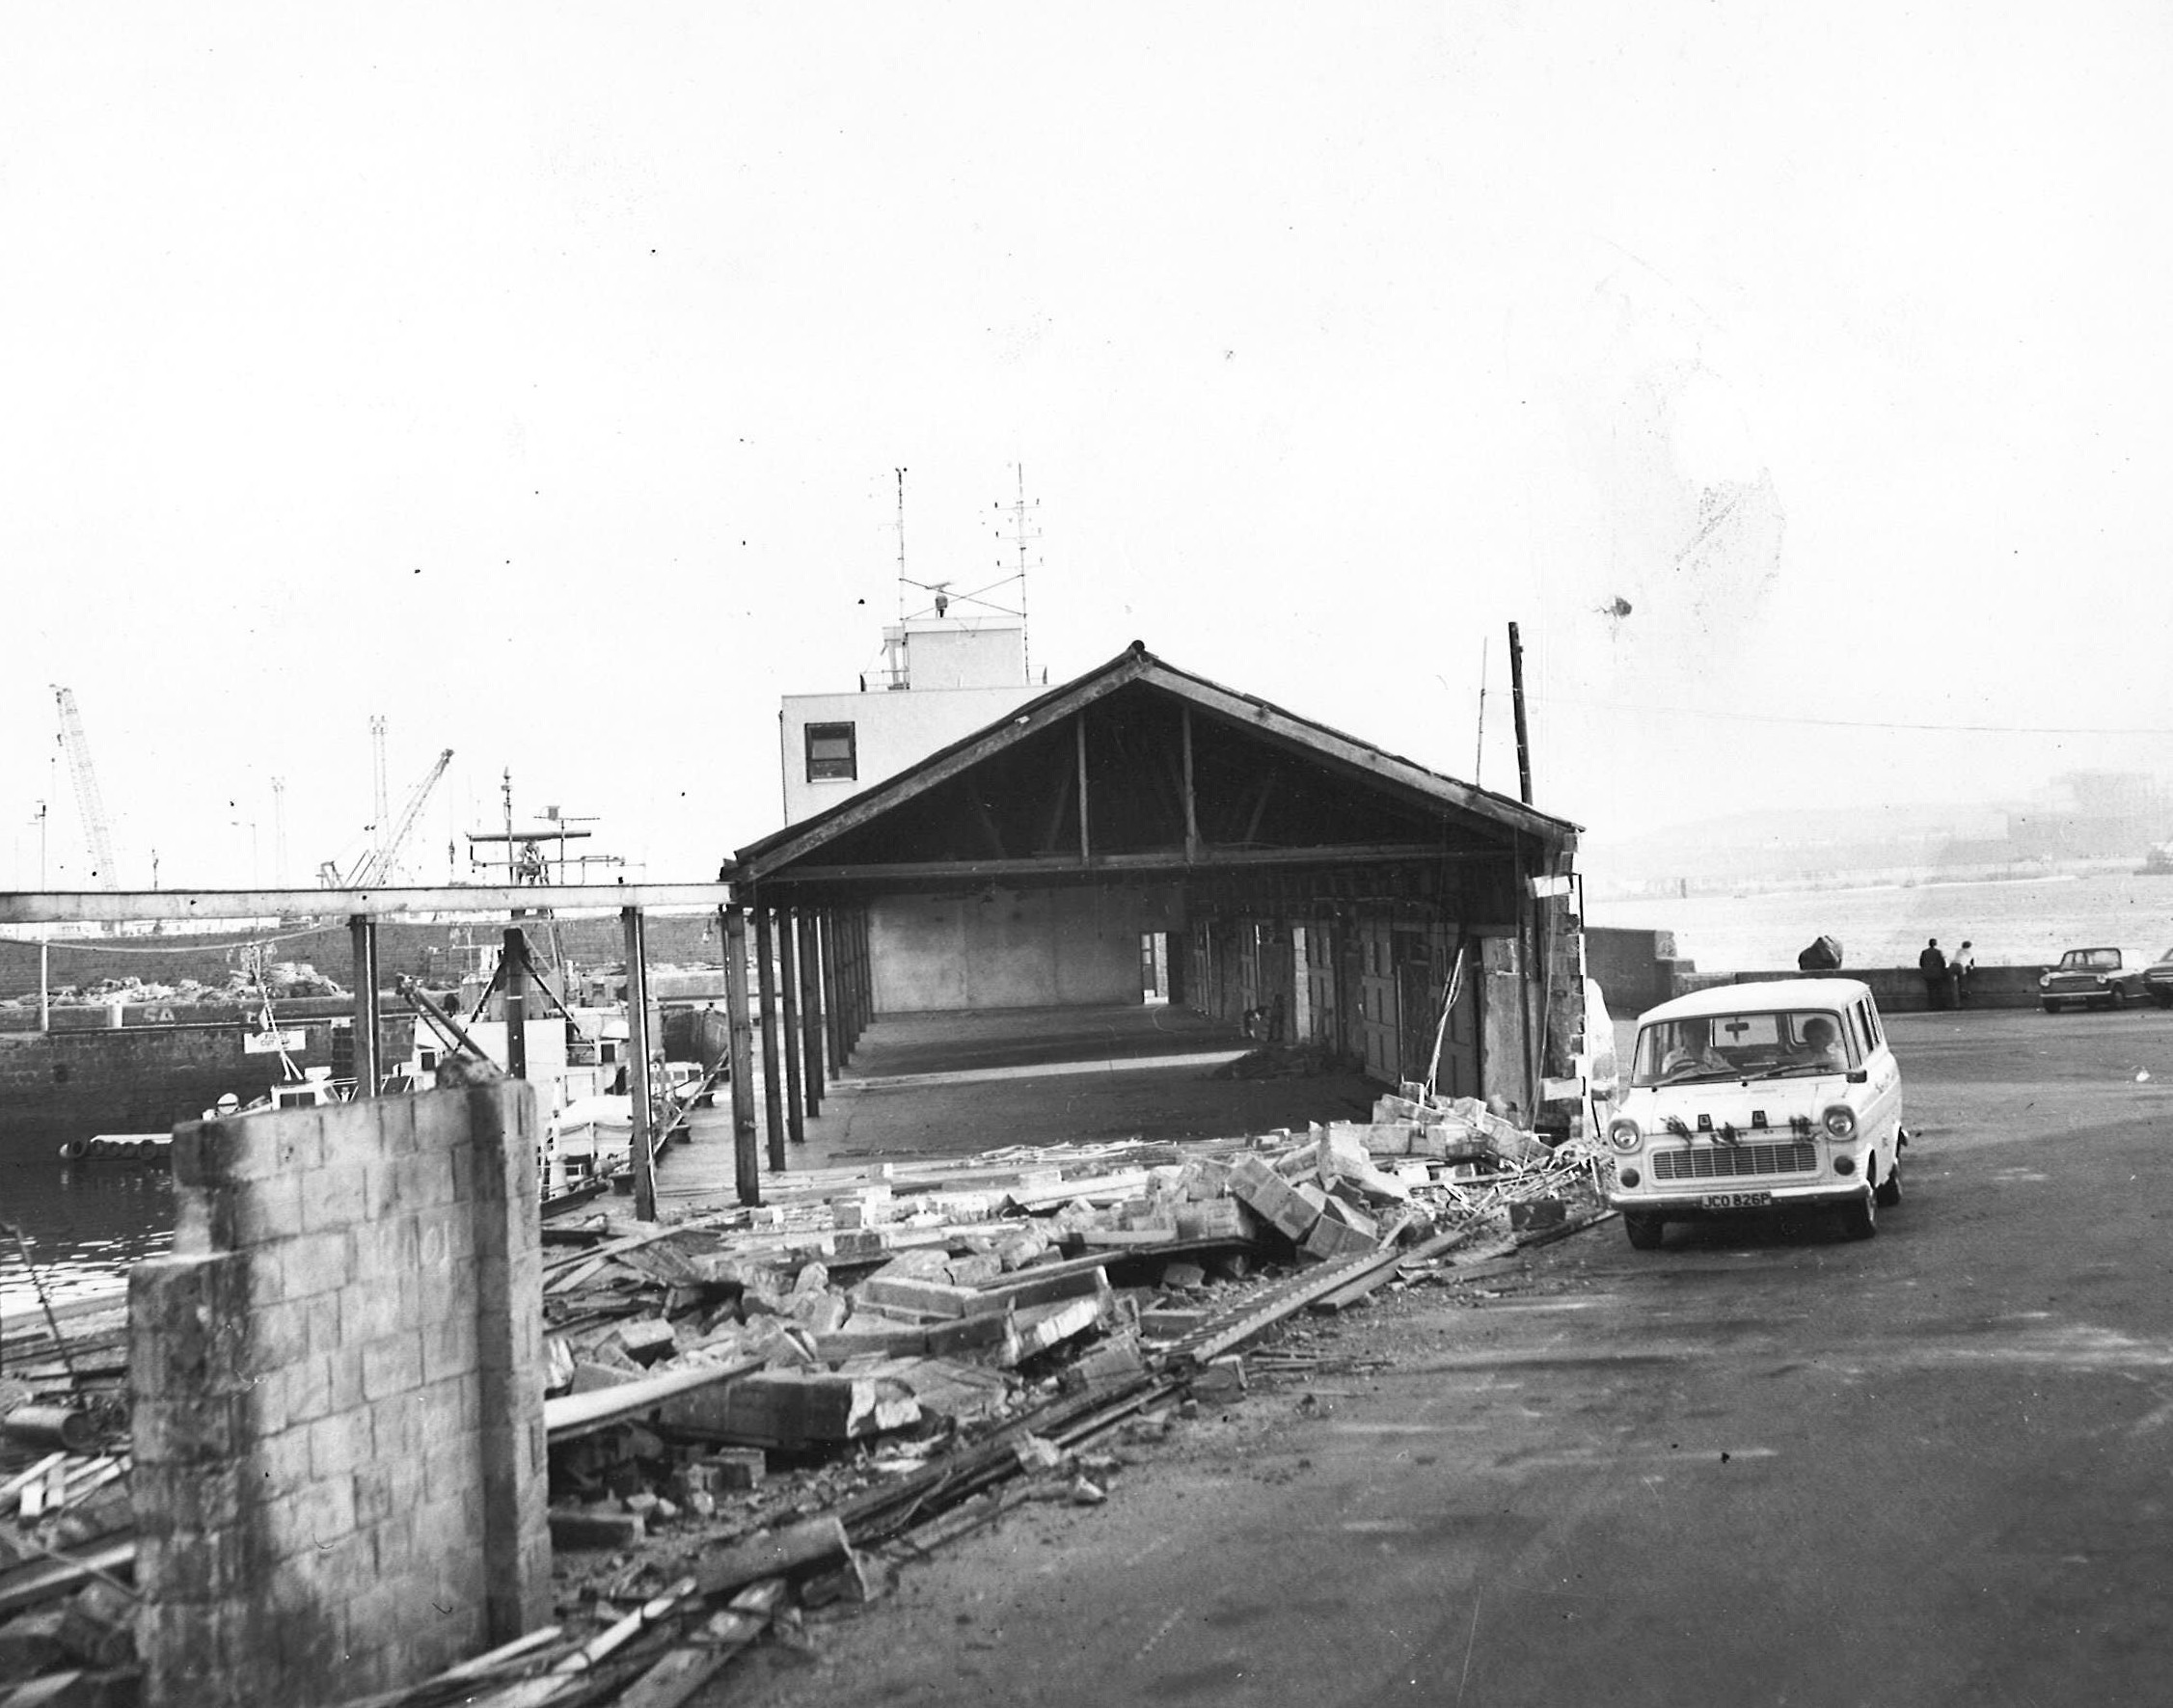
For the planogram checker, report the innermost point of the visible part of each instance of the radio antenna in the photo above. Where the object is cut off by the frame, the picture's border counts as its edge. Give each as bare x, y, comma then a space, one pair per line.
1023, 537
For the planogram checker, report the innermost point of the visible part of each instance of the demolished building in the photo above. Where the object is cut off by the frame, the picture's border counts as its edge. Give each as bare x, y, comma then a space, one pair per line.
1141, 832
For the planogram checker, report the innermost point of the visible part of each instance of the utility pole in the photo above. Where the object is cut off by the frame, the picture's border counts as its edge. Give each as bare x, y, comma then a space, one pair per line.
45, 936
1523, 740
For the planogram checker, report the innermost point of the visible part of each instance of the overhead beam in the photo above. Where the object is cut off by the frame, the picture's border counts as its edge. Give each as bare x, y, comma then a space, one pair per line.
1172, 860
57, 906
1356, 758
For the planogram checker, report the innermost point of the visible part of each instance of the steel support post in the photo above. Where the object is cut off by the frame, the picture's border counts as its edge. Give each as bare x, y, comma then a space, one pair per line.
642, 1136
813, 1021
766, 989
513, 967
788, 1022
369, 1071
746, 1159
833, 987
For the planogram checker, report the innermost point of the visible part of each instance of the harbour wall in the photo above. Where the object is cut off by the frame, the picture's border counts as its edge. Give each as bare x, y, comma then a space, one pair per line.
1639, 969
144, 1078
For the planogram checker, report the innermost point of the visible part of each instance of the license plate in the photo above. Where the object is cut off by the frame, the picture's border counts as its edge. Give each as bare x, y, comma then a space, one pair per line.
1736, 1200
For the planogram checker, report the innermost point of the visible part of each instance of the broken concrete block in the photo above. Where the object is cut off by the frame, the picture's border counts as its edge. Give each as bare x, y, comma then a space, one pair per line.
1341, 1231
1112, 1361
1222, 1379
1302, 1160
1217, 1218
1284, 1206
1021, 1248
1166, 1324
950, 1391
853, 1581
985, 1328
647, 1339
739, 1468
29, 1645
901, 1294
821, 1312
1036, 1455
853, 1244
589, 1377
1039, 1327
99, 1628
813, 1278
1203, 1179
975, 1269
867, 1207
1086, 1492
594, 1528
789, 1408
1183, 1275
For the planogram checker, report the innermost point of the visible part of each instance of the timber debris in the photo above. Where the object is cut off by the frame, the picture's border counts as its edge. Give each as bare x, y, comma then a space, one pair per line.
757, 1414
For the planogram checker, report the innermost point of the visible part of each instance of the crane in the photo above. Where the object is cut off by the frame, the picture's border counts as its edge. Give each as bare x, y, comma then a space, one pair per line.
376, 863
89, 803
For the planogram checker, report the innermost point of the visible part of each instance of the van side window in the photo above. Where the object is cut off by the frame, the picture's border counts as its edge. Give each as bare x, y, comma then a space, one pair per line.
1869, 1022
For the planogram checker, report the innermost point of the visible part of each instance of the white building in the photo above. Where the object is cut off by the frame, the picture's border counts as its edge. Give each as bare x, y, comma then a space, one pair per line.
944, 679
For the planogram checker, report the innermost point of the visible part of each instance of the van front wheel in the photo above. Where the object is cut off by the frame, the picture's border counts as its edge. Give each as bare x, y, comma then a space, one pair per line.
1644, 1230
1888, 1190
1859, 1218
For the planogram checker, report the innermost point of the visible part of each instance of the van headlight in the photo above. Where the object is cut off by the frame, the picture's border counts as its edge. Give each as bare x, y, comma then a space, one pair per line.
1623, 1134
1840, 1122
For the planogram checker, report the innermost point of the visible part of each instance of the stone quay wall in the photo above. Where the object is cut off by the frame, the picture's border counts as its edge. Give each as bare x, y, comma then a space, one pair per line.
341, 1481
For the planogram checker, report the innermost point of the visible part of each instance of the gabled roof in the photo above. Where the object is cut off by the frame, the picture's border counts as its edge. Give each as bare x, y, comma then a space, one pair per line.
1369, 795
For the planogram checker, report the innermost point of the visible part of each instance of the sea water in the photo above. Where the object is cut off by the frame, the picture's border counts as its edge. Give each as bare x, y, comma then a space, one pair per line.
84, 1223
2023, 922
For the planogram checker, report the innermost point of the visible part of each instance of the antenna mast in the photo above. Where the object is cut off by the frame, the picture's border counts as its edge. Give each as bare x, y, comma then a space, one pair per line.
901, 545
1021, 538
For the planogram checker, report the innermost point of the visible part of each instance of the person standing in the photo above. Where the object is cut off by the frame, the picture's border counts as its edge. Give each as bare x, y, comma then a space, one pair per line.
1962, 967
1932, 964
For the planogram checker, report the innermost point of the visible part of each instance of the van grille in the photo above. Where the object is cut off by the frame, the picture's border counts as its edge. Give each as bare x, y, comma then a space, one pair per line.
1705, 1162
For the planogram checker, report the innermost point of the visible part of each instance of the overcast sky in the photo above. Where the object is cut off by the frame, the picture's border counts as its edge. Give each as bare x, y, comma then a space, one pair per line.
534, 377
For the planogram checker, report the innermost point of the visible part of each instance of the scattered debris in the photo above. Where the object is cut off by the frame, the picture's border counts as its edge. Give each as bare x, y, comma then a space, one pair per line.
747, 1406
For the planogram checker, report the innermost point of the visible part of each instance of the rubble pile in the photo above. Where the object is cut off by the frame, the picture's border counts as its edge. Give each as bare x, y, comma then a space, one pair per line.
66, 1529
744, 1407
281, 980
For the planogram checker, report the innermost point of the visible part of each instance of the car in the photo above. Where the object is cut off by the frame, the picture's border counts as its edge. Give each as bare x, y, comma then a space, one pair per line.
2092, 978
1759, 1099
2158, 980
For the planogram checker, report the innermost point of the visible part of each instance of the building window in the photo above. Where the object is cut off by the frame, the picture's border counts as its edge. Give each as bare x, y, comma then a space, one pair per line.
830, 753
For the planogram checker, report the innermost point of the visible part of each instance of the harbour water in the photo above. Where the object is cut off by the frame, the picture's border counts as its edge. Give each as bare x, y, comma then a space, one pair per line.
2023, 922
85, 1223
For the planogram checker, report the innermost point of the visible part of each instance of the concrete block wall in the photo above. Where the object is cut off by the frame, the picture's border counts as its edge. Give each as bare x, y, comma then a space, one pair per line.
339, 1480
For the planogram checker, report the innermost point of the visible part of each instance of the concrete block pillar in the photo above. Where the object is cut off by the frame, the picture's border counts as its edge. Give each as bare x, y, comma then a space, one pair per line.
339, 1435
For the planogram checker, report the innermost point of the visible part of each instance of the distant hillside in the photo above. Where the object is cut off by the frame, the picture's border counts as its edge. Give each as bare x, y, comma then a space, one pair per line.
1808, 846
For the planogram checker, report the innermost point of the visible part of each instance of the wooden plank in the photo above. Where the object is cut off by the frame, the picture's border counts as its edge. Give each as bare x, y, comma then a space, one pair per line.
672, 1680
27, 1585
793, 1549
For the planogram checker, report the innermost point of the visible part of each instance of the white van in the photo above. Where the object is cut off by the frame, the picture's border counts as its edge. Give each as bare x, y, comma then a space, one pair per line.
1756, 1099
